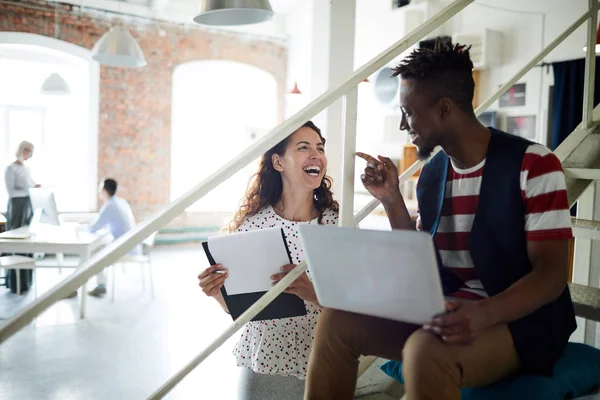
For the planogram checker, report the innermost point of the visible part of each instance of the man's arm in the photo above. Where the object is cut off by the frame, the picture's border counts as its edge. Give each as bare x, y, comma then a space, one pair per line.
398, 214
103, 218
544, 284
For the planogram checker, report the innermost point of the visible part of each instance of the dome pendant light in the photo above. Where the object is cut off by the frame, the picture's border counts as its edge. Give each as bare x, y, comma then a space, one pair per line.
233, 12
117, 48
54, 84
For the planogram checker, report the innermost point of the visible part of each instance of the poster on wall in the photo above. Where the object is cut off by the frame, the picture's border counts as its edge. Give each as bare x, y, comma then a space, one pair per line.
523, 126
514, 97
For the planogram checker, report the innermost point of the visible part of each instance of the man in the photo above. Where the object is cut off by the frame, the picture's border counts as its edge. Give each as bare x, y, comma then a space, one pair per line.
116, 215
497, 208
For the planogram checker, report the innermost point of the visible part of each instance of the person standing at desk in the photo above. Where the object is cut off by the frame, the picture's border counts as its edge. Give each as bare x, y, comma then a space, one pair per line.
116, 215
17, 178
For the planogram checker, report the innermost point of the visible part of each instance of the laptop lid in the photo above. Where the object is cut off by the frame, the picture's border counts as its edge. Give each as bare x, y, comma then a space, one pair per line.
385, 274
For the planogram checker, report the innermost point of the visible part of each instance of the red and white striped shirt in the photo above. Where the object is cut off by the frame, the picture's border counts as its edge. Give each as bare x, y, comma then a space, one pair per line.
547, 214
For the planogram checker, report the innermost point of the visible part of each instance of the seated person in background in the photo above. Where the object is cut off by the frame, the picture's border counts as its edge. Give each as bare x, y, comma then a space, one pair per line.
116, 215
497, 208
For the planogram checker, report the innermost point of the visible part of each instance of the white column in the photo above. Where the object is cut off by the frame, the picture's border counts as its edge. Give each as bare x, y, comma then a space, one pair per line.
332, 62
590, 65
348, 158
586, 250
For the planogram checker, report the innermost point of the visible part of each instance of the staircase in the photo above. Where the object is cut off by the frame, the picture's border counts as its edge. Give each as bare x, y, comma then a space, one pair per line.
579, 154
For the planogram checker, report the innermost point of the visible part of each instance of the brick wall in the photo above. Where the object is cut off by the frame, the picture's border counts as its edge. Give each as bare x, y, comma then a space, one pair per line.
135, 104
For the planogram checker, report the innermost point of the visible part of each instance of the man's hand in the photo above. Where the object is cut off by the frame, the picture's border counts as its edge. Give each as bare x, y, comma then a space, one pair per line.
301, 287
463, 323
380, 178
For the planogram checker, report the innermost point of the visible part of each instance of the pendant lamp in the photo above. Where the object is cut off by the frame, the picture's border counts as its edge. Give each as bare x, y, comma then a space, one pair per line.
295, 89
233, 12
54, 84
117, 48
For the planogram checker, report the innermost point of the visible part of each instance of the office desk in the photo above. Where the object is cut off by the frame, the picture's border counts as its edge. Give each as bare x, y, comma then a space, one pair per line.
56, 240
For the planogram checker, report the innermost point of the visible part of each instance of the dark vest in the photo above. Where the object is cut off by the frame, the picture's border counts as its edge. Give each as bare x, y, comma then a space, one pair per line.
498, 246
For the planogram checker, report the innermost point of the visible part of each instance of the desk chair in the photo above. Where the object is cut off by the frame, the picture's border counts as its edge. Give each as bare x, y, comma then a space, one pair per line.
143, 259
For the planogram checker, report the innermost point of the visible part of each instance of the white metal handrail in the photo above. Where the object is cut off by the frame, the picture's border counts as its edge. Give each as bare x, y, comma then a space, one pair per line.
300, 268
125, 243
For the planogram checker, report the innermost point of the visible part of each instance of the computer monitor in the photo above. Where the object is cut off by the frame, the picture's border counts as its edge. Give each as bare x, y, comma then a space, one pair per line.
44, 206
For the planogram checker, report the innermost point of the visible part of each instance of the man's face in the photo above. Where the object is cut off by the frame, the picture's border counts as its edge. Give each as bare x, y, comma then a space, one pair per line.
420, 117
103, 194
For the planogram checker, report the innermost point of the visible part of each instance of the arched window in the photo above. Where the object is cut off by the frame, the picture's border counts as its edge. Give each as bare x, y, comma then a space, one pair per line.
219, 109
63, 128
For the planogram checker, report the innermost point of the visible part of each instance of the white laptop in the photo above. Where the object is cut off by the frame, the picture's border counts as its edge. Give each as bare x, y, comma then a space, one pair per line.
385, 274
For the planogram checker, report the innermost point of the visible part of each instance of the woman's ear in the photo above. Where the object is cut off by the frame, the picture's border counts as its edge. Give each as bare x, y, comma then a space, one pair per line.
276, 160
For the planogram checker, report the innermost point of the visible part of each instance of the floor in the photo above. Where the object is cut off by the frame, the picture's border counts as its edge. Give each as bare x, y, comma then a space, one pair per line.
122, 350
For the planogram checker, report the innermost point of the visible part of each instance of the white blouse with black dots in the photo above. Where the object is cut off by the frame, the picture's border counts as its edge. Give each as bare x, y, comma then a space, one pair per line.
280, 346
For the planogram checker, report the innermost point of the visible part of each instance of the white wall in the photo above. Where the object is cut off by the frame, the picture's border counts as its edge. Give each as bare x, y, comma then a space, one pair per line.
377, 27
300, 55
523, 36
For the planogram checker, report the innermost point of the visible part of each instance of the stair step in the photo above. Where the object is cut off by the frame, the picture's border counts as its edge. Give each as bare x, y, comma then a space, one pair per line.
590, 174
189, 229
586, 229
586, 301
185, 236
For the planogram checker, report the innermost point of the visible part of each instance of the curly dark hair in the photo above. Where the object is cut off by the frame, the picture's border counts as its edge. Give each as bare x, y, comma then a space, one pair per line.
266, 186
446, 71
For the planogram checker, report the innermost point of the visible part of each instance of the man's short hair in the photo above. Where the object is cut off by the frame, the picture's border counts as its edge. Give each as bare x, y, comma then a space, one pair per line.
110, 185
445, 71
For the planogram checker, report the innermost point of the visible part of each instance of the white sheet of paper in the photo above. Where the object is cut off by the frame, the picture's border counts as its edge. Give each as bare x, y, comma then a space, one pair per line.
251, 257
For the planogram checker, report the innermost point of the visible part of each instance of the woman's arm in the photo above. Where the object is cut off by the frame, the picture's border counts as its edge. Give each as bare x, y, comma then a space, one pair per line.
9, 179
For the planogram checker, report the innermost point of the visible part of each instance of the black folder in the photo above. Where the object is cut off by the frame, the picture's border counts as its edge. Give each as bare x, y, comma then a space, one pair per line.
285, 305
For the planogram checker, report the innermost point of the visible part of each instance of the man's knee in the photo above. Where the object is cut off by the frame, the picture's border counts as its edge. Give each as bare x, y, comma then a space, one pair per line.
339, 326
422, 354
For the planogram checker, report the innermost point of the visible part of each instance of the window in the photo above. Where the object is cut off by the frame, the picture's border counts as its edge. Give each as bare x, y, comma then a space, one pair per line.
65, 156
219, 109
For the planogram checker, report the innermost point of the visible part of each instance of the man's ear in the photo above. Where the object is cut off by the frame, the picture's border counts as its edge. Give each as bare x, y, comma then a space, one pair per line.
445, 107
276, 160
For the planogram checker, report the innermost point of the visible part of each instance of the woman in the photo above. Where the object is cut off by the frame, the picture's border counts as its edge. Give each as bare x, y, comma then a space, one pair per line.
19, 211
290, 188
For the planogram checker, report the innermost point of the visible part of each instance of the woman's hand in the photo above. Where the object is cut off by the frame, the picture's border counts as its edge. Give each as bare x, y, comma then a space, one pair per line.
211, 282
301, 287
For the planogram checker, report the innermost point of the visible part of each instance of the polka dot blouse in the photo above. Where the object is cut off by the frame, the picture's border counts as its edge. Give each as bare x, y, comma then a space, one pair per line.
280, 346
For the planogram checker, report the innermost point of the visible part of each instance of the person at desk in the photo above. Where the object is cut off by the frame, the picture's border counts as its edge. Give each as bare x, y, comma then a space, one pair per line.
116, 215
17, 178
291, 187
496, 207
